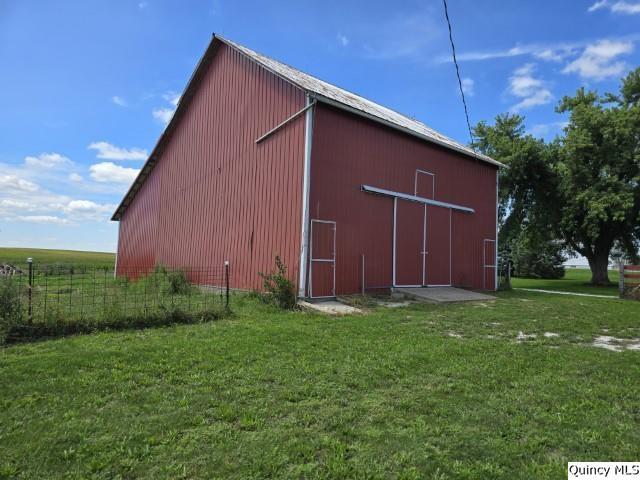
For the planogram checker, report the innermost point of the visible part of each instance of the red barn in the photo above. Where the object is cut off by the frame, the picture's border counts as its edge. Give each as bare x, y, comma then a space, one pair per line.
261, 160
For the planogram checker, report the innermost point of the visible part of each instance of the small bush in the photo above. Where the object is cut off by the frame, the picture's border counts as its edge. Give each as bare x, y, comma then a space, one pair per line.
10, 307
177, 283
534, 257
278, 288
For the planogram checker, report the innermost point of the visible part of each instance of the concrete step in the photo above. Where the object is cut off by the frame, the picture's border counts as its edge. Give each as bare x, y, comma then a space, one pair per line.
442, 294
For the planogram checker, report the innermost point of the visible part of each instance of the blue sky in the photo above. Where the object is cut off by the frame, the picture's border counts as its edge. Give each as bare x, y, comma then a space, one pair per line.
87, 86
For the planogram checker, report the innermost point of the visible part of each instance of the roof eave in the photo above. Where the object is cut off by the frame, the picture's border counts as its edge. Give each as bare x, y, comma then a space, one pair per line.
362, 113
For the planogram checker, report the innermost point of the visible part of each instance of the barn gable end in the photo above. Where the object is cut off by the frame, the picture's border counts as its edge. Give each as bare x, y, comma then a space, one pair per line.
214, 194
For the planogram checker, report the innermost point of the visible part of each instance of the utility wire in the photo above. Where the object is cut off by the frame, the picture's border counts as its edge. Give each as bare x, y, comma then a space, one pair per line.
455, 61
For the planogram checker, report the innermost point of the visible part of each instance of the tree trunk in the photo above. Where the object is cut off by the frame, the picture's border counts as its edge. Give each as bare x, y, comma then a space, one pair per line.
599, 265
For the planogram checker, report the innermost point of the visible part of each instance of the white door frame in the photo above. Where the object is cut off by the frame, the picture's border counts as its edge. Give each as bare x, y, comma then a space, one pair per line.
331, 260
494, 264
433, 182
424, 251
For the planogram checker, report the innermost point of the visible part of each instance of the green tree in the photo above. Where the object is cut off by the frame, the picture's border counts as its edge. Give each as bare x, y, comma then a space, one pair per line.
598, 171
527, 191
584, 187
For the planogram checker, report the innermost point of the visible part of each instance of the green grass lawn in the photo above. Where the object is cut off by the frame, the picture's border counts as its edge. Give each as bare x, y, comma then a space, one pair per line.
575, 280
423, 391
42, 256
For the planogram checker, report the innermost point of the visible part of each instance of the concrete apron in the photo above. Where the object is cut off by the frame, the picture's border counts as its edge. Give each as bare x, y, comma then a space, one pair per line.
441, 294
329, 307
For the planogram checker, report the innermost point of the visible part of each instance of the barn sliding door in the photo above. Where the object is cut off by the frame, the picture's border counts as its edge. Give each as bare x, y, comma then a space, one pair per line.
409, 234
438, 246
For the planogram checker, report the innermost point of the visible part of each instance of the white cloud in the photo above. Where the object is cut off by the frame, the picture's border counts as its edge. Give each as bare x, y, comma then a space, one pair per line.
47, 161
172, 97
543, 129
531, 90
82, 205
23, 197
12, 182
628, 8
598, 5
109, 172
598, 60
468, 86
88, 210
107, 151
121, 102
17, 204
540, 97
46, 219
547, 52
553, 54
163, 114
342, 39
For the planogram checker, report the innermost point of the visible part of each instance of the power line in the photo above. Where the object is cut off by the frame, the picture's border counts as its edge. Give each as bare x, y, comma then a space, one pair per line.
455, 61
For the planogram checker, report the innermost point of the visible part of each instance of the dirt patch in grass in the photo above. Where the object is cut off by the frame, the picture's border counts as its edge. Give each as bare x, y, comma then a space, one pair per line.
616, 344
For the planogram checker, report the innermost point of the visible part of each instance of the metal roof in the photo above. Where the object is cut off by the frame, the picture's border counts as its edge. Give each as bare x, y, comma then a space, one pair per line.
337, 96
320, 90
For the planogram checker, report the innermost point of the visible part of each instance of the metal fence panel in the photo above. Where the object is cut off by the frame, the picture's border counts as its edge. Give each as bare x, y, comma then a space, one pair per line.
57, 293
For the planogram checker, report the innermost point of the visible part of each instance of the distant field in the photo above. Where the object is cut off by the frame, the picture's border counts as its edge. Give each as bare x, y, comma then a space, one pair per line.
576, 280
41, 256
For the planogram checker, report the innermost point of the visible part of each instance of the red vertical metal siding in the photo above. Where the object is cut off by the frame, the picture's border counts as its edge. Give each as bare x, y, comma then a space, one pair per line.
215, 194
409, 235
348, 151
438, 246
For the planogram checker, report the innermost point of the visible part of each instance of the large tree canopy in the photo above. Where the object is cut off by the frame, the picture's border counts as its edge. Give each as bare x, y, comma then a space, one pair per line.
582, 188
598, 169
528, 179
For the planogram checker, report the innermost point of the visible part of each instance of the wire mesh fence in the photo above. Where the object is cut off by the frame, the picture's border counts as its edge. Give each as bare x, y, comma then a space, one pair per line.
66, 295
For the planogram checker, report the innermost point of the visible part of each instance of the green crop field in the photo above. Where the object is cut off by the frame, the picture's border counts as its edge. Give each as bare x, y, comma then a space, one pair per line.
18, 256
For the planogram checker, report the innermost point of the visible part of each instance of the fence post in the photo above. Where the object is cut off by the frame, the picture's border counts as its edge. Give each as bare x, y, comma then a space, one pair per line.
30, 262
621, 279
226, 281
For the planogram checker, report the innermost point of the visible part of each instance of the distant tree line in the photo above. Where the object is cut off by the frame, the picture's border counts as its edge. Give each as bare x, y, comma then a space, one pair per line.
578, 194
